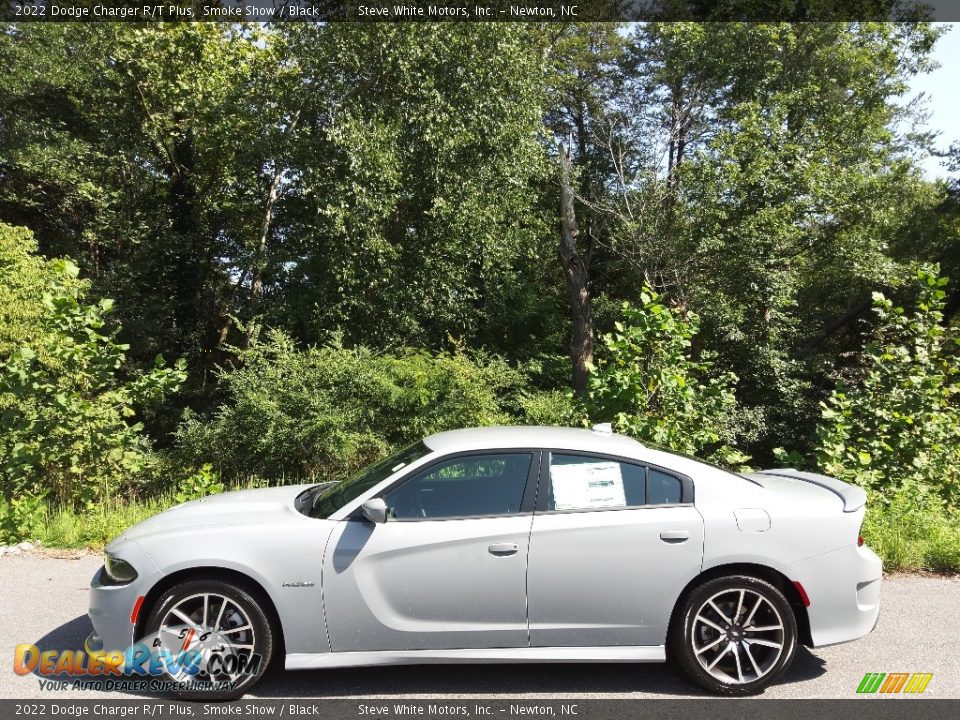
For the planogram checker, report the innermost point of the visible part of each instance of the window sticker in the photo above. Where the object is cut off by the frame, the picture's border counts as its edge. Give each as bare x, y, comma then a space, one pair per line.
587, 485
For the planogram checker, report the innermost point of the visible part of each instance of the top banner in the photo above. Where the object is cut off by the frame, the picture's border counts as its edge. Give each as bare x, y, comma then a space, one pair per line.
476, 11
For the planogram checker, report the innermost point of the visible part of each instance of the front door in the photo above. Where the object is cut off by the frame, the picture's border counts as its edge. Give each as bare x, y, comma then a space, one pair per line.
613, 544
448, 568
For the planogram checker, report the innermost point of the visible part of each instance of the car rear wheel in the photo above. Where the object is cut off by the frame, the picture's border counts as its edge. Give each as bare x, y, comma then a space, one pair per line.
735, 635
216, 639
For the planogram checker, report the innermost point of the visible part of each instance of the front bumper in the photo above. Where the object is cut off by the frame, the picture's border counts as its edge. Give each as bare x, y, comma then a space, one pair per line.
111, 606
844, 591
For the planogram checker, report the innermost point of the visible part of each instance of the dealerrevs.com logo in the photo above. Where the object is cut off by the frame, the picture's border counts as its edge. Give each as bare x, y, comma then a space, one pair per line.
893, 683
190, 660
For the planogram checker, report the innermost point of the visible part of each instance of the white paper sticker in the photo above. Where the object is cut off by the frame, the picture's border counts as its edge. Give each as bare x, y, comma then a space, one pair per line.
587, 485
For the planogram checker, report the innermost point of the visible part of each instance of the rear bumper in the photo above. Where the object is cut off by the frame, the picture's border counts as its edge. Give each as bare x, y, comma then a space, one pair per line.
844, 591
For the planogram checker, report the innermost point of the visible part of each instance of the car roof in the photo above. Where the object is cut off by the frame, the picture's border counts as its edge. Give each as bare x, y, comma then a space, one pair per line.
517, 436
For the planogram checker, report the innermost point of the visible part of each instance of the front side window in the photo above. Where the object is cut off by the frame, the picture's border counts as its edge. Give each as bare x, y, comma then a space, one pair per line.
585, 482
464, 486
331, 499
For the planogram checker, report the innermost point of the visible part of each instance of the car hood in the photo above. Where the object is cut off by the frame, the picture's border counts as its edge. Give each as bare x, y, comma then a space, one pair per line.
241, 507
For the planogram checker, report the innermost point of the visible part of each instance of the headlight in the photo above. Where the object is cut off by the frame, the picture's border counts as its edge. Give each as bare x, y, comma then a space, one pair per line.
119, 571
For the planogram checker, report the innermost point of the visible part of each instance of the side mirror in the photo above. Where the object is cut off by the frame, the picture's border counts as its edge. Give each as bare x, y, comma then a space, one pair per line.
375, 510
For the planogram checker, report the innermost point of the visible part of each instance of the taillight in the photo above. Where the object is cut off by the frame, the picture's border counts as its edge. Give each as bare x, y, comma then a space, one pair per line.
804, 598
859, 540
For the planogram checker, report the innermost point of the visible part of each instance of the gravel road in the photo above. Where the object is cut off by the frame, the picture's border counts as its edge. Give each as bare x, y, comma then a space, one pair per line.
43, 601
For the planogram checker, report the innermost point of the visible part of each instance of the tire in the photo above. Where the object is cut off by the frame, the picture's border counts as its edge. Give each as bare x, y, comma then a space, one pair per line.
734, 635
225, 617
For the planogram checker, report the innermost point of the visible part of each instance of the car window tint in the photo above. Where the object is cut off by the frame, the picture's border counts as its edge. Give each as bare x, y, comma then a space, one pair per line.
581, 482
663, 489
330, 499
463, 486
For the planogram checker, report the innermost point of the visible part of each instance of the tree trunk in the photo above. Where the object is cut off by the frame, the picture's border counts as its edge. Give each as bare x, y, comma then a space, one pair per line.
261, 248
576, 269
263, 237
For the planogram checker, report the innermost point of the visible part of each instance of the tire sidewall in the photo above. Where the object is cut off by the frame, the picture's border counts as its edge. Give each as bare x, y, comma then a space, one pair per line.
682, 647
249, 603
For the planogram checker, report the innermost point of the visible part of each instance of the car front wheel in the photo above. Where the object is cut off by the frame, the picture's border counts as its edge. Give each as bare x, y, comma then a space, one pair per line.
735, 635
214, 637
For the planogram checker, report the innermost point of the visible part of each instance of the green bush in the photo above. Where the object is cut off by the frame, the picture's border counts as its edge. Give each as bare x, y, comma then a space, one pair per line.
648, 384
898, 427
550, 407
197, 485
68, 402
25, 278
325, 411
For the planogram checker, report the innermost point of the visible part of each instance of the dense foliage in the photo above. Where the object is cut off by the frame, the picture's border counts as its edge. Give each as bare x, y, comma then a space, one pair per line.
329, 410
350, 235
66, 407
649, 387
895, 429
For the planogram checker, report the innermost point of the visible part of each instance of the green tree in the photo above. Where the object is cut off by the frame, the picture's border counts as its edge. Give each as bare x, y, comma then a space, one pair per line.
582, 119
769, 192
650, 387
24, 278
897, 427
416, 186
376, 179
160, 149
67, 432
393, 185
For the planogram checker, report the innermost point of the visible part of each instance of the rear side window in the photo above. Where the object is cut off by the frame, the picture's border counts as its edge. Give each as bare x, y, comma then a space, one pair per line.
582, 482
585, 482
662, 488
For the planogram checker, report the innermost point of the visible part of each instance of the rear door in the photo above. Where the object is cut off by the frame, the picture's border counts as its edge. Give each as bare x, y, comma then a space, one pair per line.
448, 568
613, 543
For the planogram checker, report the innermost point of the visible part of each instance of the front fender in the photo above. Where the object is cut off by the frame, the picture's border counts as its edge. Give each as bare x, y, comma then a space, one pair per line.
286, 562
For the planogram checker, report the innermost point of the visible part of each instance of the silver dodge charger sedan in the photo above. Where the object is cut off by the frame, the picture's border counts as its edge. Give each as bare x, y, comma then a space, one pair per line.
498, 544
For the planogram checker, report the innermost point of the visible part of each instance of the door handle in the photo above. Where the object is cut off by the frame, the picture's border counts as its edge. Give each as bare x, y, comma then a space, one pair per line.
675, 536
503, 549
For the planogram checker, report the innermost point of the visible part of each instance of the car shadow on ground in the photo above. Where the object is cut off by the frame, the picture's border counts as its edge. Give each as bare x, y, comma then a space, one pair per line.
561, 679
69, 636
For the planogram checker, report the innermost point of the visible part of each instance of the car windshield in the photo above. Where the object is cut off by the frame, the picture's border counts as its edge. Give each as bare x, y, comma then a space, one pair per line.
332, 498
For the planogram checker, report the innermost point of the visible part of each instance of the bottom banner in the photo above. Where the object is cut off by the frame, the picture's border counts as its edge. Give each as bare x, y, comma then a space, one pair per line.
483, 709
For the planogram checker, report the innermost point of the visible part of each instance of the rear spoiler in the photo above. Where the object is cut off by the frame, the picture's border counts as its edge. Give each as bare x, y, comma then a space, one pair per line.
853, 497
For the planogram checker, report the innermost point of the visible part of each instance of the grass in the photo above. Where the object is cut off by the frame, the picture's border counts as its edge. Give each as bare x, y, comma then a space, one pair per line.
66, 528
908, 535
61, 527
912, 537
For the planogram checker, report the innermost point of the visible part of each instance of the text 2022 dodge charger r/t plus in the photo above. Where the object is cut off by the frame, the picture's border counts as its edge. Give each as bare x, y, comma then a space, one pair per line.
501, 544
